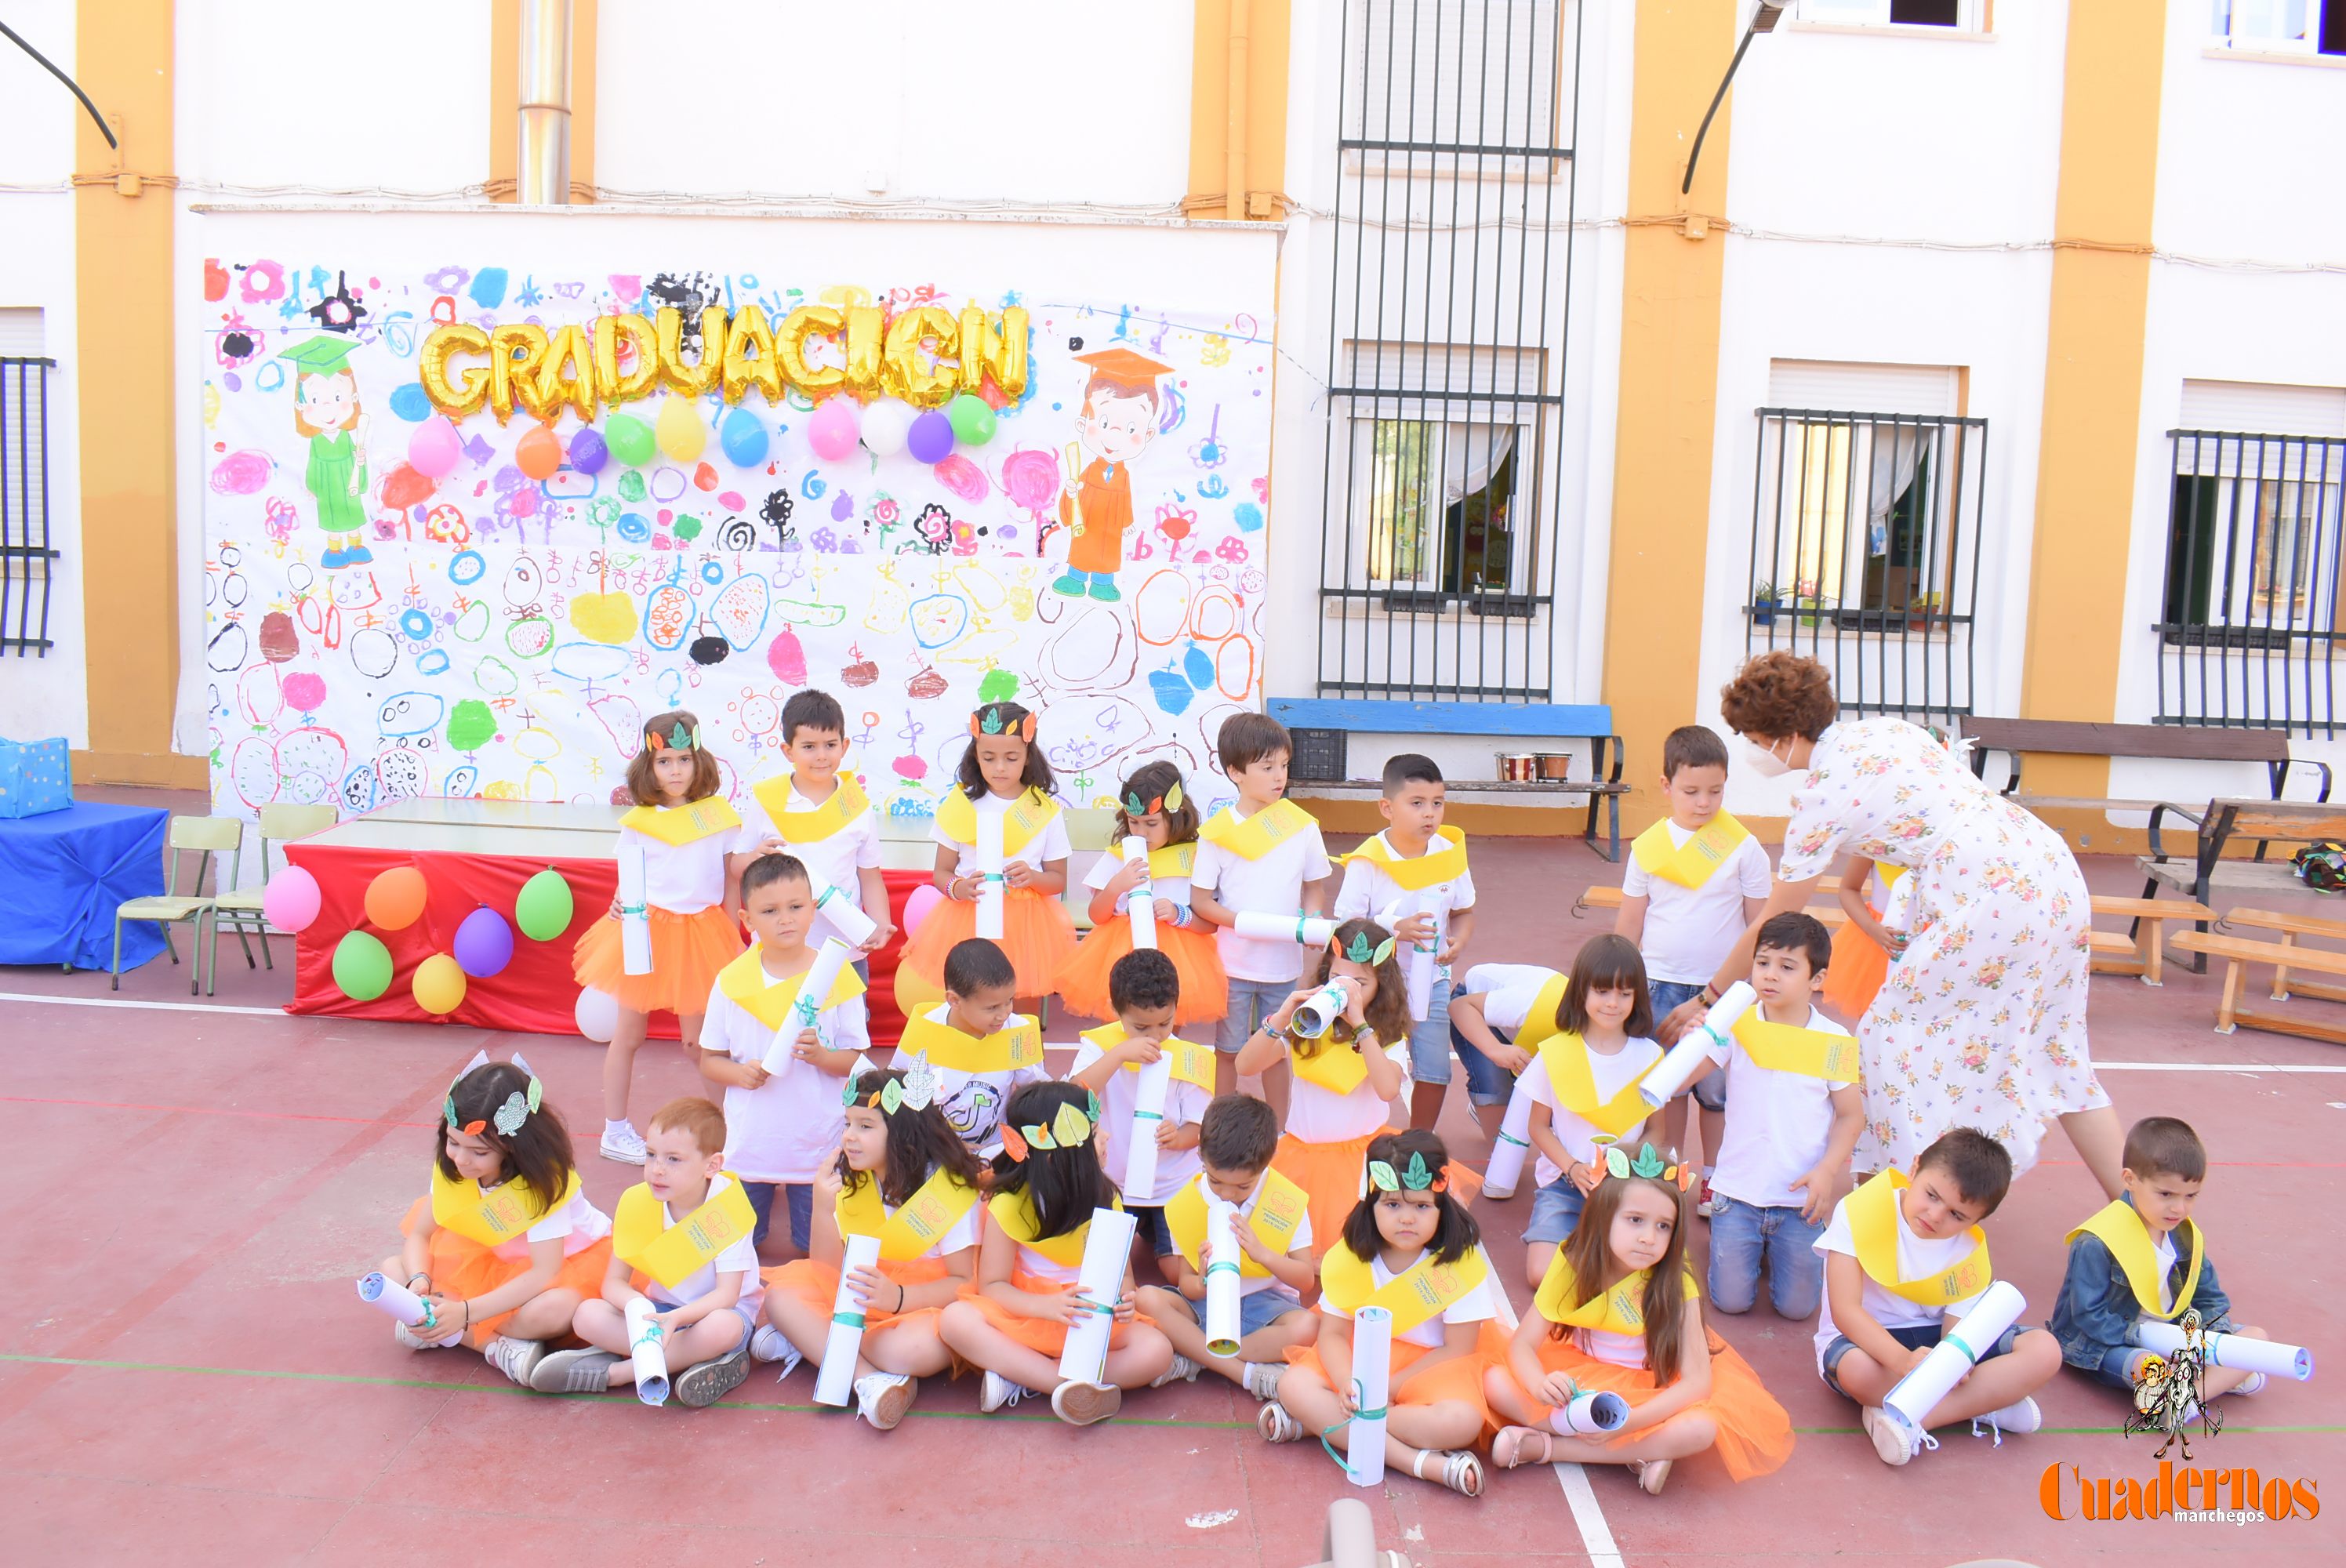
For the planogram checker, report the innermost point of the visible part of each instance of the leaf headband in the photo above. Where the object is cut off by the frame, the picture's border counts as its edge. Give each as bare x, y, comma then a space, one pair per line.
988, 721
1169, 801
518, 1107
1069, 1129
679, 738
916, 1091
1359, 951
1413, 1178
1649, 1164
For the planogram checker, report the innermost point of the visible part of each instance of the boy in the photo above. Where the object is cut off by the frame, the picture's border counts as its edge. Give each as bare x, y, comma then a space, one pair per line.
1904, 1260
1412, 879
779, 1125
1119, 421
2125, 1265
1792, 1117
822, 819
1273, 1229
981, 1051
1695, 881
684, 1231
1499, 1013
1145, 988
1261, 856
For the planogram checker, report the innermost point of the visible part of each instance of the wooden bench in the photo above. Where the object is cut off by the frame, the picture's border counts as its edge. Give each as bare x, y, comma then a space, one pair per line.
2180, 743
2291, 927
2202, 871
2238, 952
1542, 722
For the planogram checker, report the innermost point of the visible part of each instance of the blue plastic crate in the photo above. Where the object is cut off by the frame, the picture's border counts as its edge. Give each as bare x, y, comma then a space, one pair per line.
36, 775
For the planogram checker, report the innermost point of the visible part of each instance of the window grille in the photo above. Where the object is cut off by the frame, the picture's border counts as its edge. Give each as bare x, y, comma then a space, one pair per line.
25, 552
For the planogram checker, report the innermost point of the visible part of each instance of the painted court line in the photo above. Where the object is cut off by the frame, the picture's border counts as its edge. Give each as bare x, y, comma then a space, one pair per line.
1595, 1535
142, 1006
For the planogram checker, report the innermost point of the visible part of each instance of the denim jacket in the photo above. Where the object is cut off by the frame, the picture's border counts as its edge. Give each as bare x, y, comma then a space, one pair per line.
2097, 1307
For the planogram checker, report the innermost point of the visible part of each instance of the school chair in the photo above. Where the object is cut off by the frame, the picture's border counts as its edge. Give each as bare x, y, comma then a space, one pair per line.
201, 837
280, 823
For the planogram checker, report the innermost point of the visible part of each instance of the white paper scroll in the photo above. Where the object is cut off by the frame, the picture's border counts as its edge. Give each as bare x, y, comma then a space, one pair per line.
1689, 1058
1591, 1415
990, 885
648, 1349
1511, 1148
1364, 1441
1140, 904
1100, 1281
835, 1383
1918, 1393
844, 915
1416, 957
1306, 931
1147, 1115
1317, 1013
391, 1297
635, 914
832, 957
2239, 1353
1222, 1278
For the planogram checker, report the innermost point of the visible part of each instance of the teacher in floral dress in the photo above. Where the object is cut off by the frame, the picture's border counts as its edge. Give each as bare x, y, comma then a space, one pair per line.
1982, 1021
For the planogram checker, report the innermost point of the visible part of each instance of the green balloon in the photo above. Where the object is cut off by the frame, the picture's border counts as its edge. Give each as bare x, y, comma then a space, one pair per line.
972, 419
630, 439
543, 909
469, 725
362, 966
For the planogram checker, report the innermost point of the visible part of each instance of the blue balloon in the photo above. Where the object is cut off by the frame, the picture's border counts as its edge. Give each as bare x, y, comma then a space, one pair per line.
588, 452
743, 437
408, 402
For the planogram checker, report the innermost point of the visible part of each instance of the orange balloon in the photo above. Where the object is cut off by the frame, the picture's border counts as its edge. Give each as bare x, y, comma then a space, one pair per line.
538, 452
395, 900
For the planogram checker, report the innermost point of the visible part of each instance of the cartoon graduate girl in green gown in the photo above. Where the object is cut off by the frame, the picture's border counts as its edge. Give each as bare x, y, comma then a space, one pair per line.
326, 410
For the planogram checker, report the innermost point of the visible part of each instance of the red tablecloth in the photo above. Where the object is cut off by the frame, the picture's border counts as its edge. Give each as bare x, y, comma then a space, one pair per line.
535, 994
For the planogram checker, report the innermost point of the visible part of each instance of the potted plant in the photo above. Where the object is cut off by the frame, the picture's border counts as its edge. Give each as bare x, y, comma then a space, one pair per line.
1812, 605
1922, 612
1763, 605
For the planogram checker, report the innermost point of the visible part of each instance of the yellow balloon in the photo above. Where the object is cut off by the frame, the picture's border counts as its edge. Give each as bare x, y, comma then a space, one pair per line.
625, 386
515, 351
565, 377
439, 985
913, 994
678, 429
867, 333
902, 372
749, 357
467, 393
694, 378
789, 348
1001, 354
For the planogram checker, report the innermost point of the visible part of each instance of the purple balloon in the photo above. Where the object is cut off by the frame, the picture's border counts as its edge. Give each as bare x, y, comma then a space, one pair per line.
930, 439
588, 452
485, 943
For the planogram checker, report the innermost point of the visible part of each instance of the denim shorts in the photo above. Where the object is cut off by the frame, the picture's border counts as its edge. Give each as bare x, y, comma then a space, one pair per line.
1709, 1091
1556, 1209
1257, 1308
1149, 1219
1916, 1337
1251, 1001
1429, 1037
799, 1201
1488, 1082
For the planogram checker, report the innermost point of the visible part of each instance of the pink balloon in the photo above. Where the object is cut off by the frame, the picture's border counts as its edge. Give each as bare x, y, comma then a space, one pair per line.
917, 907
290, 902
432, 449
834, 429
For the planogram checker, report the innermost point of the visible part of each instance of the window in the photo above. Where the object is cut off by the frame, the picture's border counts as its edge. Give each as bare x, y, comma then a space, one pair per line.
1964, 15
2281, 26
1462, 86
25, 549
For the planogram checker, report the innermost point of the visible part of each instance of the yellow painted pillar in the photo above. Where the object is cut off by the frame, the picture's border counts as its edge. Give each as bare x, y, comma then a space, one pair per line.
1238, 58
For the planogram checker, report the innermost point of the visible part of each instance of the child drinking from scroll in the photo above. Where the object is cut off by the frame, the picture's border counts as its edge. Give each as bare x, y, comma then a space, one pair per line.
1152, 807
1145, 991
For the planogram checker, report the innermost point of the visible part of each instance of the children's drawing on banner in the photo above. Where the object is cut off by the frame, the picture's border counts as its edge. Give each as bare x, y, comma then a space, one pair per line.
1119, 419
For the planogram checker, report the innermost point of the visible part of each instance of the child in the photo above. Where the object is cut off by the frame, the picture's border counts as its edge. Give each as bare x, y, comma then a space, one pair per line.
1153, 807
1408, 1246
1862, 948
2126, 1267
505, 1246
820, 815
1904, 1259
1048, 1181
1412, 878
1618, 1313
681, 1236
780, 1127
1695, 883
1583, 1088
1273, 1230
981, 1051
1145, 991
899, 1175
1003, 774
1793, 1110
1262, 856
684, 829
1499, 1014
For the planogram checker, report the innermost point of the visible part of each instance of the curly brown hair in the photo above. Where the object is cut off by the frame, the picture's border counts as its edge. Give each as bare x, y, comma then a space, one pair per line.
1778, 694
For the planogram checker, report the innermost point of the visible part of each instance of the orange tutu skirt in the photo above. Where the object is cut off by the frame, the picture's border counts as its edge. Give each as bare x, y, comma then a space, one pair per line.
462, 1269
817, 1285
1046, 1338
1082, 981
687, 952
1329, 1174
1459, 1379
1037, 934
1755, 1435
1858, 968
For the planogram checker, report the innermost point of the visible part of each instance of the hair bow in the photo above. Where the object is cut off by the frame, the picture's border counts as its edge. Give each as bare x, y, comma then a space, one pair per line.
677, 739
1648, 1163
1359, 951
989, 720
518, 1106
1169, 801
1414, 1177
1070, 1128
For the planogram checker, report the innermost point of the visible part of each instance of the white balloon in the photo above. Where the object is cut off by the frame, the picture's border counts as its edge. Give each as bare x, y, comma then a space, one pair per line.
598, 1014
887, 425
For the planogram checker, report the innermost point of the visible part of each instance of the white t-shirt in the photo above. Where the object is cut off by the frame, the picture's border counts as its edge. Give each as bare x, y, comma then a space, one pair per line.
1050, 844
682, 879
1369, 892
1103, 869
1318, 1115
1475, 1307
1511, 989
1273, 885
966, 1231
779, 1132
581, 1225
1776, 1131
832, 862
974, 1102
1185, 1105
741, 1259
1917, 1259
1297, 1240
1611, 1075
1690, 930
2164, 1250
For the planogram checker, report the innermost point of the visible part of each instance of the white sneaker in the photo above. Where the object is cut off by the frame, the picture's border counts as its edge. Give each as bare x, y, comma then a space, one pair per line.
516, 1359
406, 1335
2254, 1383
624, 1144
1894, 1440
770, 1345
1182, 1371
1263, 1379
883, 1397
998, 1393
2019, 1418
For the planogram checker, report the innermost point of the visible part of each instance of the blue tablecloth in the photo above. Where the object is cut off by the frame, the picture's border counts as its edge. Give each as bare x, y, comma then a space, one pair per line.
65, 871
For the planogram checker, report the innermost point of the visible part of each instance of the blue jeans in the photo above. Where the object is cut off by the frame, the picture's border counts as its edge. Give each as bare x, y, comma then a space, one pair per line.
798, 1200
1556, 1209
1257, 1308
1488, 1082
1740, 1234
1916, 1337
1709, 1091
1251, 1001
1429, 1037
1150, 1220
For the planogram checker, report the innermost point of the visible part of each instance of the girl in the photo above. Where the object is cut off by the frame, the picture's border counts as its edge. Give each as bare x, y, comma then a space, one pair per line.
1410, 1247
684, 827
505, 1246
1863, 947
1152, 807
327, 410
1015, 1323
1618, 1313
901, 1175
1003, 774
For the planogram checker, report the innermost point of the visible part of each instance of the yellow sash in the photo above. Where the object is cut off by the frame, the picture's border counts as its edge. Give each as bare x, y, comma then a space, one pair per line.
498, 1214
1019, 1043
812, 824
679, 824
1621, 1310
1015, 1215
1027, 816
2121, 1229
1873, 1225
769, 1001
641, 1236
1540, 1023
918, 1223
1192, 1062
1278, 1208
1337, 1066
1690, 864
1258, 835
1790, 1048
1444, 860
1568, 1073
1173, 860
1423, 1290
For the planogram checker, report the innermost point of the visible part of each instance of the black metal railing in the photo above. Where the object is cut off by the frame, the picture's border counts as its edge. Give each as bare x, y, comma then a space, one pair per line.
1865, 548
1451, 268
2249, 623
25, 552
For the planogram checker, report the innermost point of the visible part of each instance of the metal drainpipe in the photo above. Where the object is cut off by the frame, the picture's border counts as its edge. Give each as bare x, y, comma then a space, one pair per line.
543, 163
1235, 153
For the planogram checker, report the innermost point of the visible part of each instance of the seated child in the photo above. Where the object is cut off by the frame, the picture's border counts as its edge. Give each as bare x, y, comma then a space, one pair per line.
1904, 1260
1153, 807
981, 1051
1144, 989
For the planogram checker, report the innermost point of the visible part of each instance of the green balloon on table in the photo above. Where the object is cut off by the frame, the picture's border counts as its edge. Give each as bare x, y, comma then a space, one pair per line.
543, 909
362, 966
972, 419
630, 439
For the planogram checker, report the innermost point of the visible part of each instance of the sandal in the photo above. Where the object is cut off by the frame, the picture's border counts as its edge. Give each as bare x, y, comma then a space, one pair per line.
1461, 1471
1513, 1456
1276, 1425
1653, 1474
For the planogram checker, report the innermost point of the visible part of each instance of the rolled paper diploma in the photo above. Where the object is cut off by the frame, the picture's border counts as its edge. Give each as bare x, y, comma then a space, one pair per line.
835, 1383
1305, 931
1365, 1447
807, 1013
990, 885
1591, 1415
845, 915
2239, 1353
1684, 1061
1511, 1147
1140, 904
1416, 957
1918, 1393
388, 1296
1317, 1013
635, 915
1100, 1282
1222, 1279
648, 1349
1148, 1115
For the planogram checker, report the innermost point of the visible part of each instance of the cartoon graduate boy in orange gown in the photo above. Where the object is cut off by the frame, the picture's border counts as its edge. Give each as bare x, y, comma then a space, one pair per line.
1121, 405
